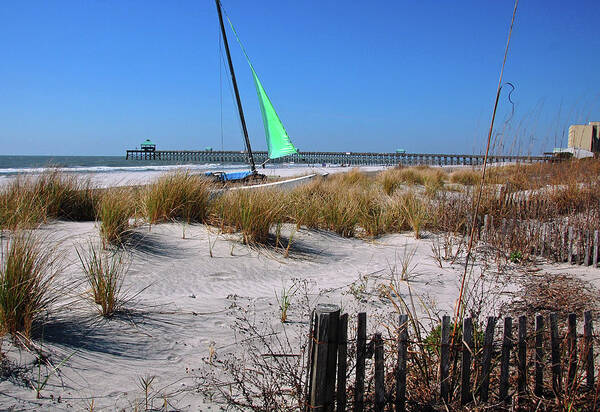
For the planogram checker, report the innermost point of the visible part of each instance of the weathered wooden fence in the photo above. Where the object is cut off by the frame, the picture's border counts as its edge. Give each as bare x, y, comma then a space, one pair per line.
459, 383
556, 240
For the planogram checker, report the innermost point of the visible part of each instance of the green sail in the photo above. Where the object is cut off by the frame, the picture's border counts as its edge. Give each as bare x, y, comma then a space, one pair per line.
278, 141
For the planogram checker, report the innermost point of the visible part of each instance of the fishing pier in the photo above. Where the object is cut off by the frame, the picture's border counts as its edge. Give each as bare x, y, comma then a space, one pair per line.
341, 158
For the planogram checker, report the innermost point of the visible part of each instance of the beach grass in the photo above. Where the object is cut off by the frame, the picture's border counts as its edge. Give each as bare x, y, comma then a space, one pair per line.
116, 208
27, 273
251, 212
105, 273
27, 201
177, 196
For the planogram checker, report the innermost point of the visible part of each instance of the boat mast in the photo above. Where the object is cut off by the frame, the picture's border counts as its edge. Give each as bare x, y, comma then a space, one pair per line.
235, 88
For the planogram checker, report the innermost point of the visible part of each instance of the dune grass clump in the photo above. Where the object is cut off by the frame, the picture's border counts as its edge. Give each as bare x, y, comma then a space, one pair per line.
27, 201
177, 196
465, 177
105, 273
116, 207
27, 273
416, 211
251, 212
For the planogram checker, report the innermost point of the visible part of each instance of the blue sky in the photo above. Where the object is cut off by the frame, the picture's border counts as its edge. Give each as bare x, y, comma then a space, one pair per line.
97, 77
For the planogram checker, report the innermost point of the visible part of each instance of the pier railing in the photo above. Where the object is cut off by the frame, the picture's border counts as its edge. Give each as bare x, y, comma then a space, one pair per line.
342, 158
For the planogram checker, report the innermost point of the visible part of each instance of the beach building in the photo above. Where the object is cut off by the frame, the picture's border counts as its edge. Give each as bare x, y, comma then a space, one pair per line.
585, 137
148, 146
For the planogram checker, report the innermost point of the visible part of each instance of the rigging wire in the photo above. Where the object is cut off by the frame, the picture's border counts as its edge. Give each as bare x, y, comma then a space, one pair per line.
459, 301
224, 63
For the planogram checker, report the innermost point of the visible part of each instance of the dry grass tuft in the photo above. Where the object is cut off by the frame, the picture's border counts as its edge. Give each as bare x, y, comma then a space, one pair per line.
466, 177
27, 273
116, 207
105, 274
252, 212
27, 201
177, 196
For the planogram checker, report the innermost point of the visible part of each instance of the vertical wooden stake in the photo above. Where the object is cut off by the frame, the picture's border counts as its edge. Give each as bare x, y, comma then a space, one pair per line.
342, 363
555, 343
539, 356
379, 373
570, 246
572, 346
522, 353
325, 359
507, 344
488, 347
361, 347
586, 245
466, 395
401, 366
445, 360
588, 353
595, 249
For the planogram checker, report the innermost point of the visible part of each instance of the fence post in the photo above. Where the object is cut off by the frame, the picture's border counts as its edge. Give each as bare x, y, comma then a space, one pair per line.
595, 250
572, 345
588, 353
586, 242
325, 358
555, 343
401, 366
467, 350
539, 355
505, 359
571, 247
445, 359
488, 346
361, 348
342, 363
379, 373
522, 348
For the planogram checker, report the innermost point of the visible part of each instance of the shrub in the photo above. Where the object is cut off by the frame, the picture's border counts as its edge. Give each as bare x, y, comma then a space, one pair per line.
105, 274
27, 273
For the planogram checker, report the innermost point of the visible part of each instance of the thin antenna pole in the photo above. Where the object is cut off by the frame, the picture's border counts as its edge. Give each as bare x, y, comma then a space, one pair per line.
235, 88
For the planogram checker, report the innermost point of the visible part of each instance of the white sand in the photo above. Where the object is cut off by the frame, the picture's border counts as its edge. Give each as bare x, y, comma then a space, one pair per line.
132, 178
183, 307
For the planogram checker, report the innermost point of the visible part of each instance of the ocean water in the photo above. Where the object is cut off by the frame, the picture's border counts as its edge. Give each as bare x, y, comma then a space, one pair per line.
10, 165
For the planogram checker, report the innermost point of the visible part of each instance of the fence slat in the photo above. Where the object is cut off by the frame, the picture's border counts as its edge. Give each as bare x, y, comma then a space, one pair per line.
342, 363
445, 359
595, 250
572, 345
379, 373
555, 343
488, 347
401, 366
507, 343
467, 350
325, 359
588, 354
361, 346
586, 243
570, 246
539, 355
522, 353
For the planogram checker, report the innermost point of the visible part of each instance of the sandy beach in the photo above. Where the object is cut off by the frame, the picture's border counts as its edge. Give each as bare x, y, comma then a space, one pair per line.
187, 286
